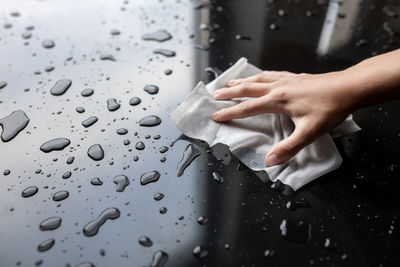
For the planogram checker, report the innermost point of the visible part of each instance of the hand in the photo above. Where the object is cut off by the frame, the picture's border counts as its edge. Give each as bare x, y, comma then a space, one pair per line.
316, 103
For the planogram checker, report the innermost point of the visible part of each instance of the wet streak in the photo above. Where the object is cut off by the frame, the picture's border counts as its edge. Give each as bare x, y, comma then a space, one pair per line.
191, 152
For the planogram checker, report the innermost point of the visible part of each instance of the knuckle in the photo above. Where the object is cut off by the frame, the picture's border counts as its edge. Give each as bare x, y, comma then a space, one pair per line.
244, 107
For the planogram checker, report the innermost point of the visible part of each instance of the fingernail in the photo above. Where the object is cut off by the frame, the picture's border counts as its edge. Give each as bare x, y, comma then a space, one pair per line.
215, 115
272, 160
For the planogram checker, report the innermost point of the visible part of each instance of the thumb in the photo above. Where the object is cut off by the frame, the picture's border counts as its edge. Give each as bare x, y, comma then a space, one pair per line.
288, 148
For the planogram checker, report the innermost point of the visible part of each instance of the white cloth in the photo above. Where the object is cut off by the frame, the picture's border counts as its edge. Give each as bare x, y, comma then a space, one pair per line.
250, 139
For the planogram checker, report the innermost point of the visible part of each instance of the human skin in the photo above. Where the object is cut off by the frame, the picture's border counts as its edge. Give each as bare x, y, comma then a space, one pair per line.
316, 103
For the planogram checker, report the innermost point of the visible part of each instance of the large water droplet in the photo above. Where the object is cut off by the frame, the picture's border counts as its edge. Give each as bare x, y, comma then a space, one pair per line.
93, 227
164, 52
50, 224
163, 149
96, 152
80, 109
89, 121
151, 89
122, 131
66, 175
96, 181
159, 36
149, 177
158, 196
140, 146
29, 191
160, 258
46, 245
55, 144
121, 181
297, 231
70, 160
145, 241
13, 124
87, 92
191, 152
135, 101
150, 121
60, 195
112, 104
60, 87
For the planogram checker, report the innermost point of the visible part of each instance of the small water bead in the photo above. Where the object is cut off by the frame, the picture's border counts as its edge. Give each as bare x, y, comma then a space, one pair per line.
48, 43
147, 136
191, 152
140, 145
145, 241
163, 210
121, 181
218, 178
96, 152
13, 124
159, 36
80, 109
269, 253
329, 244
202, 47
202, 220
61, 87
160, 258
96, 181
70, 160
112, 104
46, 245
242, 37
165, 52
150, 121
200, 252
60, 195
293, 205
85, 264
158, 196
126, 142
87, 92
102, 252
122, 131
297, 231
107, 57
50, 223
3, 84
29, 191
135, 101
93, 227
168, 72
89, 121
55, 144
38, 171
163, 149
115, 32
151, 89
156, 137
66, 175
6, 172
149, 177
135, 158
26, 35
163, 159
49, 68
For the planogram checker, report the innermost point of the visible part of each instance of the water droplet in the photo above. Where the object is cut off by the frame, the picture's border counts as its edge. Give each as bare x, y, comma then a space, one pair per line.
163, 149
165, 52
93, 227
60, 195
149, 177
160, 258
217, 177
85, 264
145, 241
191, 152
122, 131
29, 191
96, 181
168, 72
242, 37
293, 205
89, 121
87, 92
135, 101
50, 224
200, 252
55, 144
135, 158
158, 196
140, 145
3, 84
60, 87
66, 175
107, 57
13, 124
112, 104
6, 172
26, 35
163, 210
202, 220
213, 71
102, 252
80, 109
202, 47
115, 32
159, 36
48, 43
96, 152
150, 121
329, 245
70, 160
121, 181
151, 89
49, 68
269, 253
46, 245
297, 231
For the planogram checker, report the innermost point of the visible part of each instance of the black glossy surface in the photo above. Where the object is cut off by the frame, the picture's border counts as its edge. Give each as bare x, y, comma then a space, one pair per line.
353, 213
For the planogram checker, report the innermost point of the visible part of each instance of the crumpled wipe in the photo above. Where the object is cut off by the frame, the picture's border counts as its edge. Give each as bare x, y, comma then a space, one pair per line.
250, 139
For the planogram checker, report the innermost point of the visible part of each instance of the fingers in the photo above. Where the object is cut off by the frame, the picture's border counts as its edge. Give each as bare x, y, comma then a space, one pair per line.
242, 90
288, 148
246, 109
264, 77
